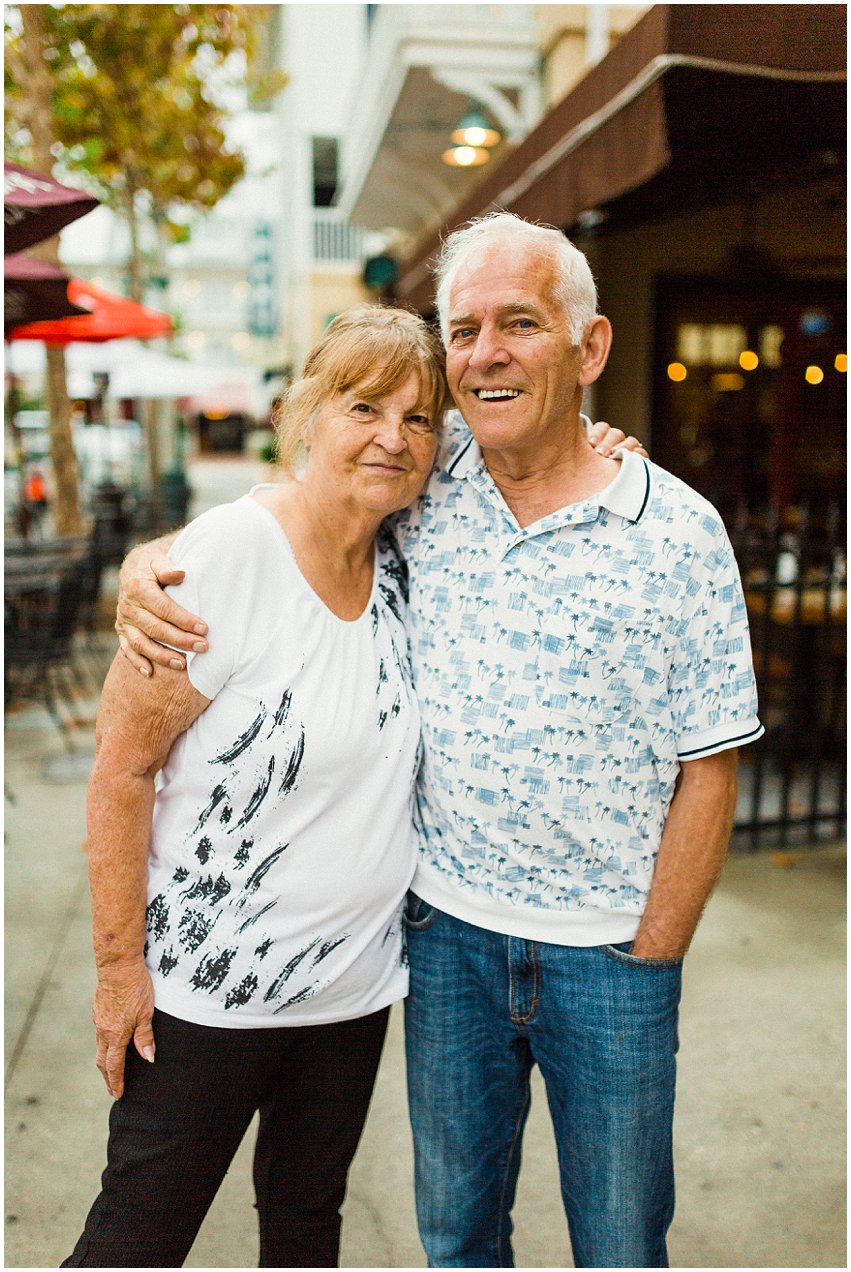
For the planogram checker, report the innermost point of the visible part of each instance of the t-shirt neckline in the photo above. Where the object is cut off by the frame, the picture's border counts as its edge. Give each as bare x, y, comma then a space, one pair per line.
274, 524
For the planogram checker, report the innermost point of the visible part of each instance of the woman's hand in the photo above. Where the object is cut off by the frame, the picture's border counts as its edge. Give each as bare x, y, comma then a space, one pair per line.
123, 1009
608, 441
146, 615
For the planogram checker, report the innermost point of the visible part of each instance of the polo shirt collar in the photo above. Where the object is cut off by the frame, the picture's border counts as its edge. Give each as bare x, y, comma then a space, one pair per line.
627, 495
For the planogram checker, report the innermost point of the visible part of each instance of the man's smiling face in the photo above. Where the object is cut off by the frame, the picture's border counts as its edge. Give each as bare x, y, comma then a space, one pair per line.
511, 363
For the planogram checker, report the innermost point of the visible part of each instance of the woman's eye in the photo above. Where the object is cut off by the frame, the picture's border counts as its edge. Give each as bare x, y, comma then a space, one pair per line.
420, 423
362, 408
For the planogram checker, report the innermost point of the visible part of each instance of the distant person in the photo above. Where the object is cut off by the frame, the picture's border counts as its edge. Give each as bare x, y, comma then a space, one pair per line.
580, 652
35, 499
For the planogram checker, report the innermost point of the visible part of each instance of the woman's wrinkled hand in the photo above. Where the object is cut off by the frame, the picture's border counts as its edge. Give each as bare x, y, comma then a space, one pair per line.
609, 441
123, 1009
147, 619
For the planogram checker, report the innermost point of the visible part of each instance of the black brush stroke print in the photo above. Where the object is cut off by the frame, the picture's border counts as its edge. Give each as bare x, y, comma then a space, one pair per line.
240, 857
157, 917
207, 889
391, 599
253, 805
301, 997
242, 993
243, 742
328, 947
280, 716
215, 799
254, 880
395, 566
287, 970
290, 777
194, 928
248, 922
212, 970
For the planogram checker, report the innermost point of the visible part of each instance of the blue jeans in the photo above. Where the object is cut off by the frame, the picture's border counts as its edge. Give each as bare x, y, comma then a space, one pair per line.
602, 1026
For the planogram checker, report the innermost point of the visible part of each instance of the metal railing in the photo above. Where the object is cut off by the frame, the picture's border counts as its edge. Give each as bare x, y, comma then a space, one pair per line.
792, 781
335, 240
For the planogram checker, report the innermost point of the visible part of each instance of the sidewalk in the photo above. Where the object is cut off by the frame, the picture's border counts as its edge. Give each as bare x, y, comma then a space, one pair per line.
760, 1124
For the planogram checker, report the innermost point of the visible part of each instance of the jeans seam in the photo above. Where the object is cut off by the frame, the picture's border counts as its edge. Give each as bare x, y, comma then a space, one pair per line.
518, 1122
517, 1017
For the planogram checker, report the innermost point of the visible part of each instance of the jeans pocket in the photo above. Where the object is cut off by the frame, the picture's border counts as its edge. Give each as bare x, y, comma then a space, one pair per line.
621, 954
418, 914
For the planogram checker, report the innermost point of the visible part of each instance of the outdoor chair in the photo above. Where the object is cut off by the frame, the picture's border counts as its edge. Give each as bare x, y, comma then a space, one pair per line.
42, 599
91, 661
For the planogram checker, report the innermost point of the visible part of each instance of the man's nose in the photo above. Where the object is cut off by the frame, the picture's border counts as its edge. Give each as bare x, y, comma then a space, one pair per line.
489, 350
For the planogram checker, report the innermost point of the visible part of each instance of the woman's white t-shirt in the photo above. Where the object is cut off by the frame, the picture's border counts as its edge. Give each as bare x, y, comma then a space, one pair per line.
282, 842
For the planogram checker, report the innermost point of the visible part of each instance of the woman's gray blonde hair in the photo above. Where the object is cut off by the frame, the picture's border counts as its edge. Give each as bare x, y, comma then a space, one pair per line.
372, 347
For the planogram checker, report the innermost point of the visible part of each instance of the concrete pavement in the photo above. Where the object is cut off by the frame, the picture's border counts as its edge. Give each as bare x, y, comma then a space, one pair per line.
760, 1125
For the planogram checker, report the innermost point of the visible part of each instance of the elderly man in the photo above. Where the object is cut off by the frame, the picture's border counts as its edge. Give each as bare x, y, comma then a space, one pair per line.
581, 656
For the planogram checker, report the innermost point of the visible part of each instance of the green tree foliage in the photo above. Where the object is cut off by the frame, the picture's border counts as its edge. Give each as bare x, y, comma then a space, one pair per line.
134, 97
140, 97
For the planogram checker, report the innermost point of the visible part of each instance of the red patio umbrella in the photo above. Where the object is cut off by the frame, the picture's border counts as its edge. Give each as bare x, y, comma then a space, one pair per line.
33, 290
108, 317
35, 207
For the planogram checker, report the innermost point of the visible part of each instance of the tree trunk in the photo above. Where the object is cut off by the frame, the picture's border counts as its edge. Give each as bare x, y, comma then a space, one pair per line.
134, 265
39, 98
67, 518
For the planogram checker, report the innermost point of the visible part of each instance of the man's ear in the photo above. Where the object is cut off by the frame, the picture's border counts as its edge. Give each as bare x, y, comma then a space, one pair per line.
596, 344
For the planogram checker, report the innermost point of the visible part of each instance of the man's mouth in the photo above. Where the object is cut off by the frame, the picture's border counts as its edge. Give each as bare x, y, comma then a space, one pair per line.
496, 395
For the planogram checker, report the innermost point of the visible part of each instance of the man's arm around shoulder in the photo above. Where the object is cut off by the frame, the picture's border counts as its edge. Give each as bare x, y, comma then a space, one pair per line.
691, 854
147, 619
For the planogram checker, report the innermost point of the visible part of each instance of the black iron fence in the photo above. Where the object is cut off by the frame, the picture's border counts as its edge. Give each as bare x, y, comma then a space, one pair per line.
793, 781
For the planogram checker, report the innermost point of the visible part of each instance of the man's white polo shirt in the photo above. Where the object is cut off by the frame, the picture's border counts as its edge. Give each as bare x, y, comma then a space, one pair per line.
564, 670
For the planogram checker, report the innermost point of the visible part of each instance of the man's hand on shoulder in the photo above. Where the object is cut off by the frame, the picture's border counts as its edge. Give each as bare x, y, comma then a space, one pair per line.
610, 441
147, 619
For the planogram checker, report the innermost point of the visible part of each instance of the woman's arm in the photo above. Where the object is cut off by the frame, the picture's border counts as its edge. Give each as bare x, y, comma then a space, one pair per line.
136, 727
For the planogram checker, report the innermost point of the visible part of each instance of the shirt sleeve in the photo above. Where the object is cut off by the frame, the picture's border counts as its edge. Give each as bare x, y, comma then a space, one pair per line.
711, 684
210, 550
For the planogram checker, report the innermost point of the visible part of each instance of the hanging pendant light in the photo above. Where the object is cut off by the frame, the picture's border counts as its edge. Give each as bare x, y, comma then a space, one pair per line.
476, 130
465, 156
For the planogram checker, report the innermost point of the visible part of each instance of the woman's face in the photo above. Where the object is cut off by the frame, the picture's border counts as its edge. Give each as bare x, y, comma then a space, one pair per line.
373, 452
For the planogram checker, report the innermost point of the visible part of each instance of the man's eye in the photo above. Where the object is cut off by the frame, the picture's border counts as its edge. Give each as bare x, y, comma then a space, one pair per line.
525, 323
461, 333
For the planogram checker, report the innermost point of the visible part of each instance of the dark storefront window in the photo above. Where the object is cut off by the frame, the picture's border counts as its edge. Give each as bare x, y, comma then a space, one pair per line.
750, 410
750, 394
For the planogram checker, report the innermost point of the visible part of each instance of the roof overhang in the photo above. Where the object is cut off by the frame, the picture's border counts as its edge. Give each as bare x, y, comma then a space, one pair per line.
424, 66
695, 104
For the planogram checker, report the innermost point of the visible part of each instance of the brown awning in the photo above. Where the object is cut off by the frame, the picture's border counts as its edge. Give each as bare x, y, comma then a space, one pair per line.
693, 105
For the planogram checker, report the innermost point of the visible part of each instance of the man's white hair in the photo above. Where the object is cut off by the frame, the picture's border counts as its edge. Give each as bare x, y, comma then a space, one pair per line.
575, 287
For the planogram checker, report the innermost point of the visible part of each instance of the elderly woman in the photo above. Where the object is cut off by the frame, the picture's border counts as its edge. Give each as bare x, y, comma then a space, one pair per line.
250, 833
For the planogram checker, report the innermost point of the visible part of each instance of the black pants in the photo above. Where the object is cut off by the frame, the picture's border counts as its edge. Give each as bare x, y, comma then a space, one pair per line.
173, 1133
